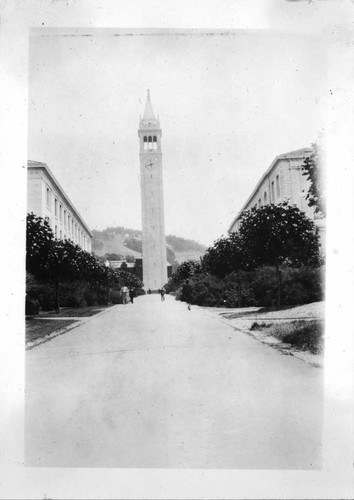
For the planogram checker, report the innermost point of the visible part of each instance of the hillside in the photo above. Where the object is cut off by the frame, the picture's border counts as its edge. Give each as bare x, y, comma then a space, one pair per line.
124, 242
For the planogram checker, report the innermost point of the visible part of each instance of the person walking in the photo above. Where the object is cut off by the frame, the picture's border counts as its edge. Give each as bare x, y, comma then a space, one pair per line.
187, 294
125, 294
162, 293
132, 295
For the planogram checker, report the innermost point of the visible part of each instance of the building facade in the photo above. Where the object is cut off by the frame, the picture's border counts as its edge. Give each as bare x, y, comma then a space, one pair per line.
152, 202
283, 181
47, 199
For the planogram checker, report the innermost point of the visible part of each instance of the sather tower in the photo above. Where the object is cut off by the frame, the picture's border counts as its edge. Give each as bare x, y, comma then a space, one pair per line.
152, 206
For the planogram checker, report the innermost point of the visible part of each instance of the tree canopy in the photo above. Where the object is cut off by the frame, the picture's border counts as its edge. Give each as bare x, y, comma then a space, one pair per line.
39, 243
58, 261
314, 172
272, 235
228, 254
279, 234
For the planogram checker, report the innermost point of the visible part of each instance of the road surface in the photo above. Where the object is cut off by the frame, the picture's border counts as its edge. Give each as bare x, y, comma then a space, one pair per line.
153, 385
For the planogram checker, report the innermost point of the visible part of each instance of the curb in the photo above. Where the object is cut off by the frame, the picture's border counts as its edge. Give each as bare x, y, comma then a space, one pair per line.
61, 331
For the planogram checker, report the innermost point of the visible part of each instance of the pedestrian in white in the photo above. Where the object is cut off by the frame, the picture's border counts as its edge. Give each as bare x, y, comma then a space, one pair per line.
125, 294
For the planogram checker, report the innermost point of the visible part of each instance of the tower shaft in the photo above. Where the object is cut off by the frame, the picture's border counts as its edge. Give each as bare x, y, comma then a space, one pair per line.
152, 202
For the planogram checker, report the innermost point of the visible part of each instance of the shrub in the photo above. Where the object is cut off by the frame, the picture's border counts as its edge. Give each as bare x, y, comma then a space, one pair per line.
232, 291
305, 335
32, 306
37, 290
299, 285
256, 288
260, 326
72, 294
91, 296
116, 297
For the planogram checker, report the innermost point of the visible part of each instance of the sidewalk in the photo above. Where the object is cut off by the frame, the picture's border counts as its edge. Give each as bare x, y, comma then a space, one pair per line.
48, 325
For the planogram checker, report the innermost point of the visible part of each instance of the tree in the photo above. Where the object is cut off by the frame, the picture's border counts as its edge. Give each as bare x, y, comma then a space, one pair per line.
184, 271
130, 259
64, 265
228, 254
112, 256
63, 261
39, 244
170, 255
314, 172
125, 278
280, 234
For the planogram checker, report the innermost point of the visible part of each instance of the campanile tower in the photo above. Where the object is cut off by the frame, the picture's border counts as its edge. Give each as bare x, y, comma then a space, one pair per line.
152, 205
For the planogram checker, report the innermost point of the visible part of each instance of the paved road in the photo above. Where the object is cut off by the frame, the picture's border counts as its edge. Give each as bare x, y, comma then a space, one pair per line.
154, 385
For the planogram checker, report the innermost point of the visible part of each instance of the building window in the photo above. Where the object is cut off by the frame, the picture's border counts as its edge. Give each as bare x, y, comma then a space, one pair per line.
56, 231
56, 207
68, 223
72, 227
61, 234
48, 197
150, 142
277, 185
60, 212
64, 218
154, 142
272, 190
259, 203
265, 197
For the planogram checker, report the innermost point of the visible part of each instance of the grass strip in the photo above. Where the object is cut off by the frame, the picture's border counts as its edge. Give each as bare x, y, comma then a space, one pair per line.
39, 328
304, 335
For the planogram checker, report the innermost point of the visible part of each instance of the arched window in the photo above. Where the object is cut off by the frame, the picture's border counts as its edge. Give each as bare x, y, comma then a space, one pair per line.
145, 142
150, 142
154, 142
265, 197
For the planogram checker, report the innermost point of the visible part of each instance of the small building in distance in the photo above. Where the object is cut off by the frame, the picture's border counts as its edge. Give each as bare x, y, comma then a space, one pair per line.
117, 264
135, 267
284, 181
47, 199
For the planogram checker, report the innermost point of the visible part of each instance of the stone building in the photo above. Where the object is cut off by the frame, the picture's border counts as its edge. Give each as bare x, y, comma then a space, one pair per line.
47, 199
152, 203
283, 181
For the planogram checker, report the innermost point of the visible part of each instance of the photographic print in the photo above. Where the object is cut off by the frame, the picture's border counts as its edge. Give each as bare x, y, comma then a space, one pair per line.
176, 226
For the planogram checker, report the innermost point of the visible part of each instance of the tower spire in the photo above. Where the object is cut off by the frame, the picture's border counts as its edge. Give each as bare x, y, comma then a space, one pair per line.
148, 113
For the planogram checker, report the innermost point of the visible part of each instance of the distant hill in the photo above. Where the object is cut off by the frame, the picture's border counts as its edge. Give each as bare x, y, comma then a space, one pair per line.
123, 241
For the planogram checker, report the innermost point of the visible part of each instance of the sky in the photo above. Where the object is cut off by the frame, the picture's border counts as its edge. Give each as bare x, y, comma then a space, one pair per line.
229, 102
